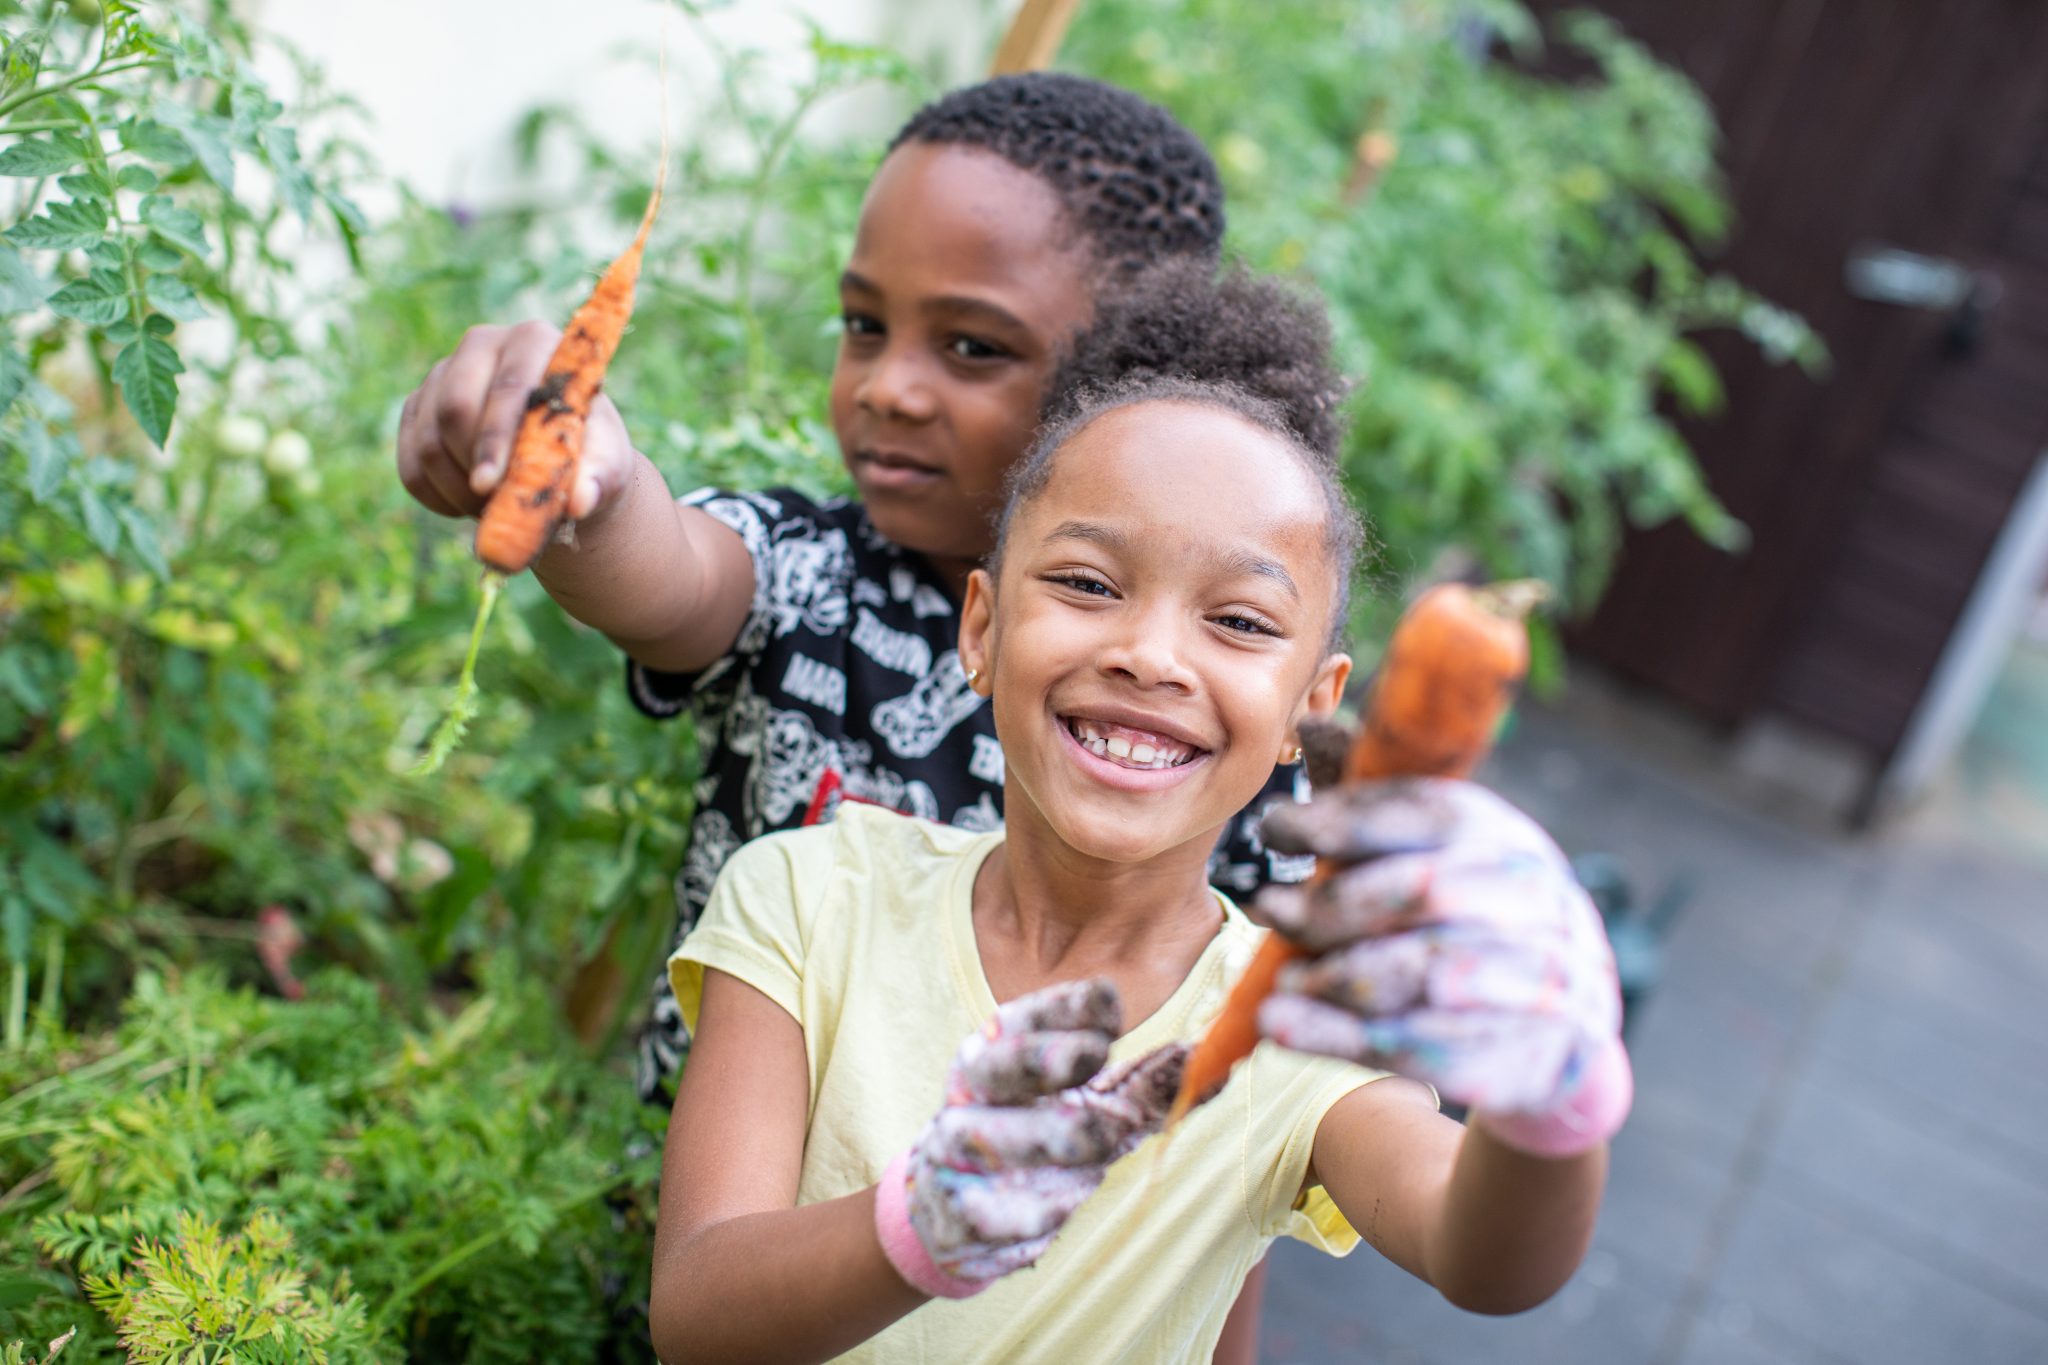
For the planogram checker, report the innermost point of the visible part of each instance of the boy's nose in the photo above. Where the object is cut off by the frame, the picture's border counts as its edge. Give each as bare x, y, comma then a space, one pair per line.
895, 386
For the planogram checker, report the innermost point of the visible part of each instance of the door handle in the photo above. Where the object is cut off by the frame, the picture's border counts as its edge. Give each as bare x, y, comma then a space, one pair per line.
1909, 279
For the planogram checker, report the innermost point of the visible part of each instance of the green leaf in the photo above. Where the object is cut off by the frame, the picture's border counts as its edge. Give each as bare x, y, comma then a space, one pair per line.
174, 298
15, 918
107, 254
147, 370
154, 255
204, 134
140, 178
38, 156
86, 185
98, 299
14, 376
46, 460
281, 144
100, 522
19, 683
181, 227
152, 141
142, 535
22, 290
62, 226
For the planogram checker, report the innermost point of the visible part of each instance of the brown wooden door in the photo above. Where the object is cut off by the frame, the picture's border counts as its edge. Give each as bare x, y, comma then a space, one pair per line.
1873, 495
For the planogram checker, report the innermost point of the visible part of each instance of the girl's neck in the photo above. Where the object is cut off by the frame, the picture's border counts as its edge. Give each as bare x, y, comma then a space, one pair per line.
1044, 913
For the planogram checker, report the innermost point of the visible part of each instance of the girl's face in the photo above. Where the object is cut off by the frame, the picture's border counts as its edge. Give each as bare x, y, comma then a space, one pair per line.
964, 282
1158, 631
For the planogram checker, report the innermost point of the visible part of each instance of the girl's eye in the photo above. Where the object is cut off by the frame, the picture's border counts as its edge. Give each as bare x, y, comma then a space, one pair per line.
1240, 624
860, 325
974, 348
1090, 587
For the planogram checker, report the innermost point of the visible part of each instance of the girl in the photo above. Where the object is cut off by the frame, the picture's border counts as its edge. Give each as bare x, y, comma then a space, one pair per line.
816, 640
1155, 628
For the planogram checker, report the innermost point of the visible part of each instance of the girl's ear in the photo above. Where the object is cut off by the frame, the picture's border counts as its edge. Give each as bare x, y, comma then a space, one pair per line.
1322, 699
977, 631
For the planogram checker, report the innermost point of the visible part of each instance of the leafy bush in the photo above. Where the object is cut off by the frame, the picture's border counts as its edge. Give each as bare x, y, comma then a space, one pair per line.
1507, 258
465, 1187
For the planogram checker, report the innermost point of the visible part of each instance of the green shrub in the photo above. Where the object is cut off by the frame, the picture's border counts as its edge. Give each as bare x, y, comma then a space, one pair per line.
466, 1187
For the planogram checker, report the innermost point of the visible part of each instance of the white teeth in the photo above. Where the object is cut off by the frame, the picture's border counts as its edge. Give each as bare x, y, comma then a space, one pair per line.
1142, 753
1099, 746
1120, 747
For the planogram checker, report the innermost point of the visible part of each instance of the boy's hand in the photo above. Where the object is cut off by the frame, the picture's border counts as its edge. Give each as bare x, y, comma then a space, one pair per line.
1454, 946
1024, 1137
455, 431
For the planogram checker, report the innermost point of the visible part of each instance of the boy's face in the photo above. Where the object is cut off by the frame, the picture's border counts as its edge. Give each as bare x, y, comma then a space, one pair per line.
965, 281
1158, 632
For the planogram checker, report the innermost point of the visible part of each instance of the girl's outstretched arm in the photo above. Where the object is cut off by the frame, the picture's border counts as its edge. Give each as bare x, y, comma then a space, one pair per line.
1453, 945
1494, 1229
739, 1272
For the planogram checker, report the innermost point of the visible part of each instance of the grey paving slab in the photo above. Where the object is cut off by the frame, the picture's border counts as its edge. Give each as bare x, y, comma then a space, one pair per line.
1662, 1190
1815, 1265
1937, 1200
1363, 1308
1943, 1054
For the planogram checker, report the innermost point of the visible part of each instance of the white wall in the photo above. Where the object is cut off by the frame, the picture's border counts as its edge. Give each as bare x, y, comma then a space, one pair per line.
445, 81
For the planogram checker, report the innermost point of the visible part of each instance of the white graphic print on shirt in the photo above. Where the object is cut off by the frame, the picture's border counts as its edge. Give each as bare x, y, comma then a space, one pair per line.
915, 723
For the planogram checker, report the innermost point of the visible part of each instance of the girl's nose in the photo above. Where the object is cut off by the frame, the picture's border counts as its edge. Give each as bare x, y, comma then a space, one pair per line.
1151, 653
895, 386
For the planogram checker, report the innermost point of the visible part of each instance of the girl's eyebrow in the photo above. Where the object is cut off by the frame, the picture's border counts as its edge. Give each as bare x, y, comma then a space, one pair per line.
1235, 563
854, 282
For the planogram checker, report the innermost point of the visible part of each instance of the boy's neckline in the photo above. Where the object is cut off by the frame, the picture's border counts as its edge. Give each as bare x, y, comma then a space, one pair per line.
1175, 1018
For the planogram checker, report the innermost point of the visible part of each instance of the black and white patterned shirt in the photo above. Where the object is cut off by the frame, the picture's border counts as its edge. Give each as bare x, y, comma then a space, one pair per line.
845, 684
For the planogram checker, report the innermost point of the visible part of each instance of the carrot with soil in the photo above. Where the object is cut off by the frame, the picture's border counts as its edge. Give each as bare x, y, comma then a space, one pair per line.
1450, 671
532, 500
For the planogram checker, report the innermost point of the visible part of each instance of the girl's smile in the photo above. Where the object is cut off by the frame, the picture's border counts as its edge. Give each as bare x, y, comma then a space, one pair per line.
1136, 757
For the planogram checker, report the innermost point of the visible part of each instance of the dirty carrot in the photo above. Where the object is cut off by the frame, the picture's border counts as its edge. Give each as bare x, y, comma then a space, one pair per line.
1442, 690
533, 497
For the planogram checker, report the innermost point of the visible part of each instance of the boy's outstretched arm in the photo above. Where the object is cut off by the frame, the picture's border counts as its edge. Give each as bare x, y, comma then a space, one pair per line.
739, 1272
1494, 1229
669, 584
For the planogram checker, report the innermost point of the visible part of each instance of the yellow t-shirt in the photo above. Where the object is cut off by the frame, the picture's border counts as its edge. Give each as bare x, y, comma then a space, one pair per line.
862, 929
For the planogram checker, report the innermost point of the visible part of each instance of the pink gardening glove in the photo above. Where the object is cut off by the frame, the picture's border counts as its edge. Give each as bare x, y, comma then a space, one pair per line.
1455, 947
1024, 1137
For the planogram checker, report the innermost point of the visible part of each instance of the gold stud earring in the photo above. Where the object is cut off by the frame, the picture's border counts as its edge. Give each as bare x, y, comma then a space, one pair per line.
1295, 757
973, 676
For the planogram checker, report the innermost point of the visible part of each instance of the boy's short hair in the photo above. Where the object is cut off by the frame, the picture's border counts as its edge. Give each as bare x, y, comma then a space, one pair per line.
1344, 534
1138, 185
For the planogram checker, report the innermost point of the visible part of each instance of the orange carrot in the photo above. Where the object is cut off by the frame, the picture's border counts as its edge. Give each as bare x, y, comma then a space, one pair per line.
1450, 671
533, 497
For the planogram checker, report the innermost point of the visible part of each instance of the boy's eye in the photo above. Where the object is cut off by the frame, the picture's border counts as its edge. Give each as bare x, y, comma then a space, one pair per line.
974, 348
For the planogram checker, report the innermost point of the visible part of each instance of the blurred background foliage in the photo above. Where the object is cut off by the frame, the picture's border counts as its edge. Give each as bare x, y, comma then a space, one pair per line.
224, 630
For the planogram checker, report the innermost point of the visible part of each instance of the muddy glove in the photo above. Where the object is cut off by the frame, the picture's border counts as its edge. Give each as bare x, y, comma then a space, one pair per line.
1027, 1132
1454, 946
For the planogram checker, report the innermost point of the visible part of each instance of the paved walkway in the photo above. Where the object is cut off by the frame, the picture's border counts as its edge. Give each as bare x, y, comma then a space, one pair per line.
1839, 1154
